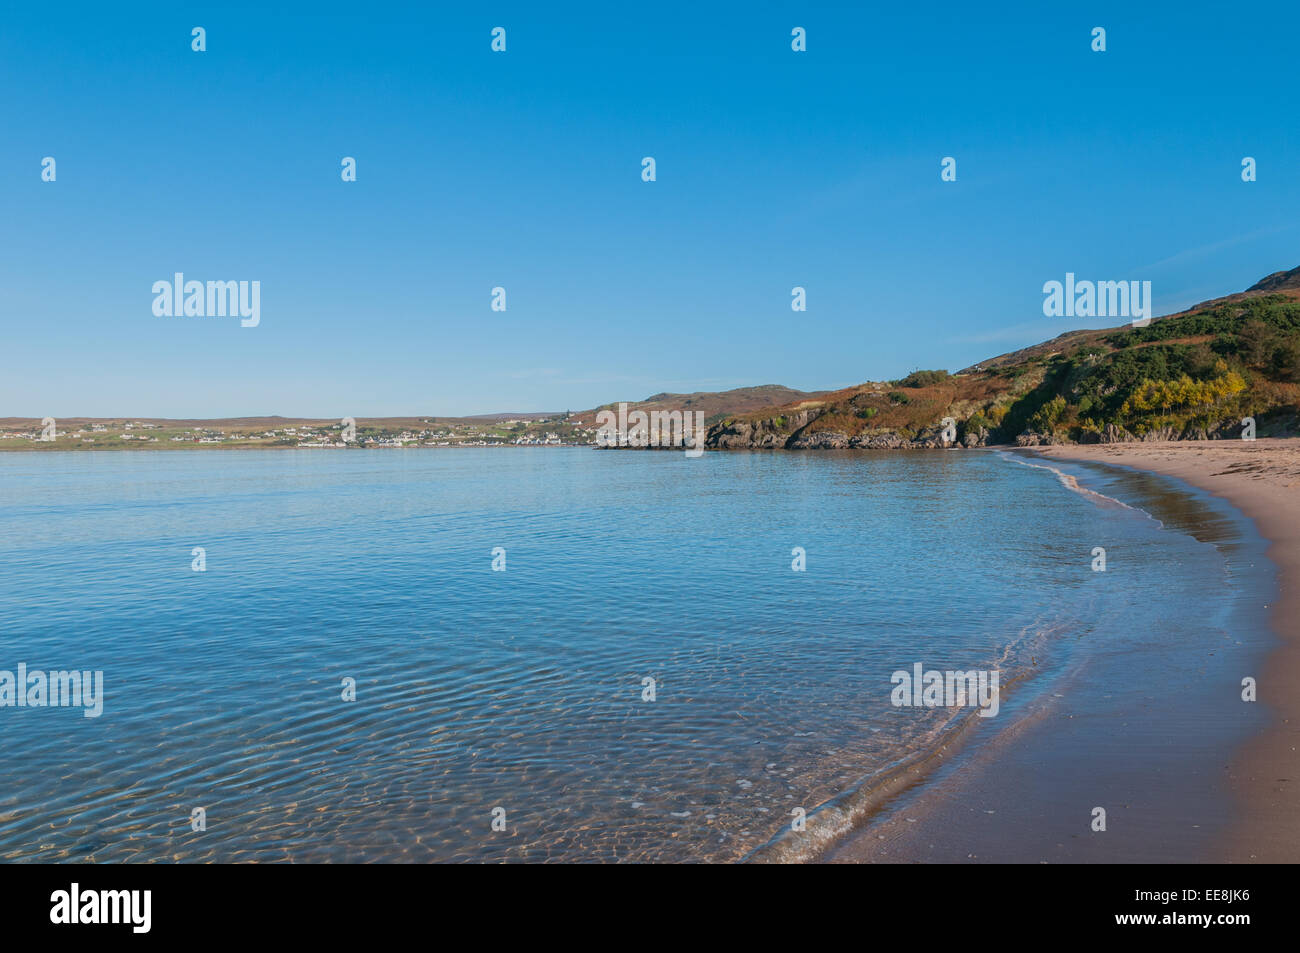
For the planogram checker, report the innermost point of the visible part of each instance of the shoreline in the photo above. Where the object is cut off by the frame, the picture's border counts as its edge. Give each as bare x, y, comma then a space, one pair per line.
1261, 479
983, 807
850, 811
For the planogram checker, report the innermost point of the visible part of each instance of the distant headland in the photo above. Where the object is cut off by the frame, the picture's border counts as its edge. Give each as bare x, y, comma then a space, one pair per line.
1227, 368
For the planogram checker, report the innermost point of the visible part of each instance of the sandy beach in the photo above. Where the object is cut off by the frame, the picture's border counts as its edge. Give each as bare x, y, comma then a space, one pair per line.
1180, 786
1261, 478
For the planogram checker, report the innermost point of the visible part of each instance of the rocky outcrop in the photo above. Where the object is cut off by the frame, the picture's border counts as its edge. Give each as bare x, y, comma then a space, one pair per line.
819, 440
740, 435
771, 433
878, 440
1160, 435
1108, 434
1224, 430
1031, 438
799, 433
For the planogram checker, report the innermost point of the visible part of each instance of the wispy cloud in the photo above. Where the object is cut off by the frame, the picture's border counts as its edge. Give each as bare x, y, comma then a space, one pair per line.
1036, 330
659, 385
1201, 251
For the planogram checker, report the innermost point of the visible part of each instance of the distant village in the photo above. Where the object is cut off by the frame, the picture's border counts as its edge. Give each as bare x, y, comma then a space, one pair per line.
558, 431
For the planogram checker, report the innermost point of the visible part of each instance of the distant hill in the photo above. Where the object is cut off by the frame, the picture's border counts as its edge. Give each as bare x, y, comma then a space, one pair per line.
715, 404
1278, 281
519, 415
1191, 375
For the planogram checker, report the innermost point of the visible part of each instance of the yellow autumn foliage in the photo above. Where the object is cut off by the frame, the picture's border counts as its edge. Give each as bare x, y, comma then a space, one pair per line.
1182, 394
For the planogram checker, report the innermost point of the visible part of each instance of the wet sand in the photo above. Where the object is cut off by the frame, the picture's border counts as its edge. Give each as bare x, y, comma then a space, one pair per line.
1261, 478
1186, 771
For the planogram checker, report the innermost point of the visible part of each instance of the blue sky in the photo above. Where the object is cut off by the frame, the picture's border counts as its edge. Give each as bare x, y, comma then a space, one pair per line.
523, 170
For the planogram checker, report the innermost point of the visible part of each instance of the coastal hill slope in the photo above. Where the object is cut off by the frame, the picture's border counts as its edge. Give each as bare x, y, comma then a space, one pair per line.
1192, 375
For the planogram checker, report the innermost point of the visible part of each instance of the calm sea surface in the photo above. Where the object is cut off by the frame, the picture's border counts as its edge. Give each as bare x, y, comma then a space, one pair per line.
524, 690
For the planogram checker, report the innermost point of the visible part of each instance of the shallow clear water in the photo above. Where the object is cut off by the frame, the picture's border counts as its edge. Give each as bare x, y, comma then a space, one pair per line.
522, 689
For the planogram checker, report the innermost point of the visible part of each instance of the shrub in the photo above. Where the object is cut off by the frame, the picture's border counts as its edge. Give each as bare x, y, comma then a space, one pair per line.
1047, 416
924, 378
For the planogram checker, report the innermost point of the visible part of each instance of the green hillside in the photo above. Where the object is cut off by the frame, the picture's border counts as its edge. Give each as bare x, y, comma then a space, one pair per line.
1193, 375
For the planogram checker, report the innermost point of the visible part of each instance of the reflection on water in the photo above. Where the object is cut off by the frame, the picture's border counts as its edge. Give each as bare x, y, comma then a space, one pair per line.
523, 689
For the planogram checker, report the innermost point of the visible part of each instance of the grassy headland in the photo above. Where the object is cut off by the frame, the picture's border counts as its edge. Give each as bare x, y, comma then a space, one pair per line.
1192, 375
